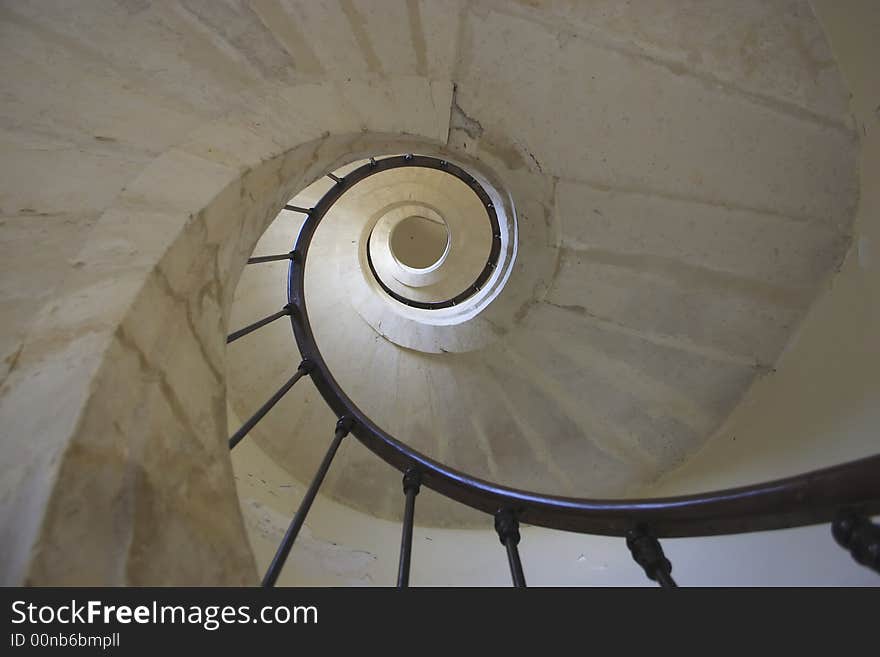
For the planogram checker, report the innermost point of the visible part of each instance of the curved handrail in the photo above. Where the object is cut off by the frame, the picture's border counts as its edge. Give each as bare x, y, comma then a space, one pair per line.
494, 250
805, 499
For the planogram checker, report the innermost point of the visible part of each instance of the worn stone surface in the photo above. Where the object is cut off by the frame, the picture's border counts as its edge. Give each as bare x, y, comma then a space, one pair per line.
666, 254
147, 146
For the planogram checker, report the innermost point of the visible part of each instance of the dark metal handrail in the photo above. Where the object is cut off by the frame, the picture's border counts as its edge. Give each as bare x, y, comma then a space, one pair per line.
850, 490
494, 251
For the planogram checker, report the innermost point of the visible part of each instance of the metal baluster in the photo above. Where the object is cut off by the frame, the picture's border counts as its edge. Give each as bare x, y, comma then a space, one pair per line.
304, 368
860, 536
253, 327
507, 526
294, 208
648, 553
344, 425
412, 481
270, 258
334, 178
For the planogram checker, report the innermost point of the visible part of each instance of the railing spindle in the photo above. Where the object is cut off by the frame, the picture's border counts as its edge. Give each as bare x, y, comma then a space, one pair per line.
253, 327
304, 368
507, 526
342, 428
412, 481
648, 553
805, 499
860, 536
270, 258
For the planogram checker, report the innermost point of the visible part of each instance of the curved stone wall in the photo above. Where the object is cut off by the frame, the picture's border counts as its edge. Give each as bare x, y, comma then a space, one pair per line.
702, 179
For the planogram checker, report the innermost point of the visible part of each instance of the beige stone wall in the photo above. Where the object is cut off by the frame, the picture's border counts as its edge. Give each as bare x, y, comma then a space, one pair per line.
131, 357
673, 232
817, 408
147, 147
821, 405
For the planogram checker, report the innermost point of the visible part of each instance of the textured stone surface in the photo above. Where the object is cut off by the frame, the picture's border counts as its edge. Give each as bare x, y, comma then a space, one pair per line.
667, 253
148, 145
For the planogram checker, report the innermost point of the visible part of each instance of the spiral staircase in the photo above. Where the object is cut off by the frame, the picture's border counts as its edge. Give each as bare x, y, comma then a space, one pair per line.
548, 262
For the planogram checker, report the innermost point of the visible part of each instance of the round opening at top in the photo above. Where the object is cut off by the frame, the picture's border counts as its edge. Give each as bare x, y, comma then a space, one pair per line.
419, 242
